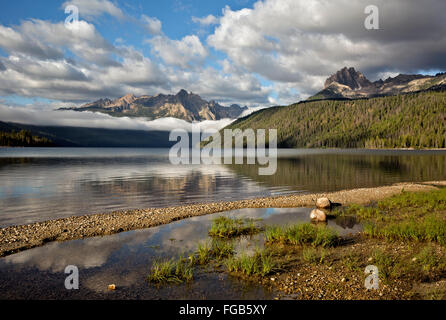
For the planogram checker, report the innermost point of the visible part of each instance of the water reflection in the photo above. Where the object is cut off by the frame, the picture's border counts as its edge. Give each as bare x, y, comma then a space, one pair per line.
42, 184
42, 189
125, 259
339, 171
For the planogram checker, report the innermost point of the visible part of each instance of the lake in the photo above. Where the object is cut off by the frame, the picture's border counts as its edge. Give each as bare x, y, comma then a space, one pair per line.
38, 184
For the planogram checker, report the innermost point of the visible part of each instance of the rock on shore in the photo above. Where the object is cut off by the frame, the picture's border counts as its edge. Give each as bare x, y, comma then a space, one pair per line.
323, 203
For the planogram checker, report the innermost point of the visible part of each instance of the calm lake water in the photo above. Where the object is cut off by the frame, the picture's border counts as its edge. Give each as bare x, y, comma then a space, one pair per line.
38, 184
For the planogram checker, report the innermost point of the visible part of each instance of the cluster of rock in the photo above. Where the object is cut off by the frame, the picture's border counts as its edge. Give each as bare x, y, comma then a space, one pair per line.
318, 215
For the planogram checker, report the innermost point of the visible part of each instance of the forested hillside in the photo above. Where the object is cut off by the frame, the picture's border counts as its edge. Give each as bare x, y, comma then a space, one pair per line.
22, 139
81, 137
416, 120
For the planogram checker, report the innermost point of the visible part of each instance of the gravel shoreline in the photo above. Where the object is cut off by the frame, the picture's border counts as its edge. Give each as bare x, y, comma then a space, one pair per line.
18, 238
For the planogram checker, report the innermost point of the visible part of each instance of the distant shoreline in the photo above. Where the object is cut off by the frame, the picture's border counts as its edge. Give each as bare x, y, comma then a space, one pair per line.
14, 239
105, 147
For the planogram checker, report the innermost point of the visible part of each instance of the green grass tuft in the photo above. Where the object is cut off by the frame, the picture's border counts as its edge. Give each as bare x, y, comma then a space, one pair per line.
261, 263
301, 234
224, 227
171, 271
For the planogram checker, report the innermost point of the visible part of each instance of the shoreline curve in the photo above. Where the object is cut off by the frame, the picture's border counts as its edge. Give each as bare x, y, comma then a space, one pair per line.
14, 239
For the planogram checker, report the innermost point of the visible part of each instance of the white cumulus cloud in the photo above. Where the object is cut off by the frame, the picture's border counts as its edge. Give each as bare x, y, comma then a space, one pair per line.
206, 21
93, 8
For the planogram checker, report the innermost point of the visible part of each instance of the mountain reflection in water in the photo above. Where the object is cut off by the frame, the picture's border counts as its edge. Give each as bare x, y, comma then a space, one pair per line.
43, 184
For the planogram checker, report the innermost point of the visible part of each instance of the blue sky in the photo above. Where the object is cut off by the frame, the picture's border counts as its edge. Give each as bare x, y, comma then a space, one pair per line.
250, 52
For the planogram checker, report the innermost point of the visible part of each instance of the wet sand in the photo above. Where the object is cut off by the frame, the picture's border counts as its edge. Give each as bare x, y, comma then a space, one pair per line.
18, 238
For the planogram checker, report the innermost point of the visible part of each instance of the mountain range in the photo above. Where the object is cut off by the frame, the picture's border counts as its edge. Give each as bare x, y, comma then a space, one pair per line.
351, 84
183, 105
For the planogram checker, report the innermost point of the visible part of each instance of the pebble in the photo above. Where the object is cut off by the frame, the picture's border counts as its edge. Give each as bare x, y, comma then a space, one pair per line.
112, 287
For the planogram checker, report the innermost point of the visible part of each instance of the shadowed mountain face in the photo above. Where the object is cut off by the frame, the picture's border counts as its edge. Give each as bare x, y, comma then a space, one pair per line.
351, 84
349, 77
183, 105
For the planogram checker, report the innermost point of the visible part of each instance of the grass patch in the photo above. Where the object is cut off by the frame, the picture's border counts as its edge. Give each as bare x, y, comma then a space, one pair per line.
386, 265
409, 216
218, 249
203, 254
261, 263
436, 294
224, 227
425, 265
313, 255
222, 249
352, 262
398, 207
363, 213
301, 234
171, 271
429, 228
434, 200
430, 260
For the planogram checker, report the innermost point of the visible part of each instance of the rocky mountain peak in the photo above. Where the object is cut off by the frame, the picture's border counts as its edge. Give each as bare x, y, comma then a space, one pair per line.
182, 93
403, 78
128, 98
350, 78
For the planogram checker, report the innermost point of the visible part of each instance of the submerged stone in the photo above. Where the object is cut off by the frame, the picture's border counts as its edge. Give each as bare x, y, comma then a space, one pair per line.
318, 215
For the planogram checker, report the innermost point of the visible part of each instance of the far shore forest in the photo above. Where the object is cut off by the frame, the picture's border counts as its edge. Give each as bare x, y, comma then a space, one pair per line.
23, 138
415, 121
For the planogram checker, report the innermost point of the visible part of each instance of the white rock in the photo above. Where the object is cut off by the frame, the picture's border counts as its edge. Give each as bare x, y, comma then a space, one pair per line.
318, 215
323, 203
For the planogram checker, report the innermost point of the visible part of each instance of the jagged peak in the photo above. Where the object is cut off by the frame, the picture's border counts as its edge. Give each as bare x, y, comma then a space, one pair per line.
349, 77
183, 92
128, 98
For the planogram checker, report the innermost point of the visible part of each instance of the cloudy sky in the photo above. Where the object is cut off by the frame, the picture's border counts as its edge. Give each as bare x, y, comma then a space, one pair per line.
256, 53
